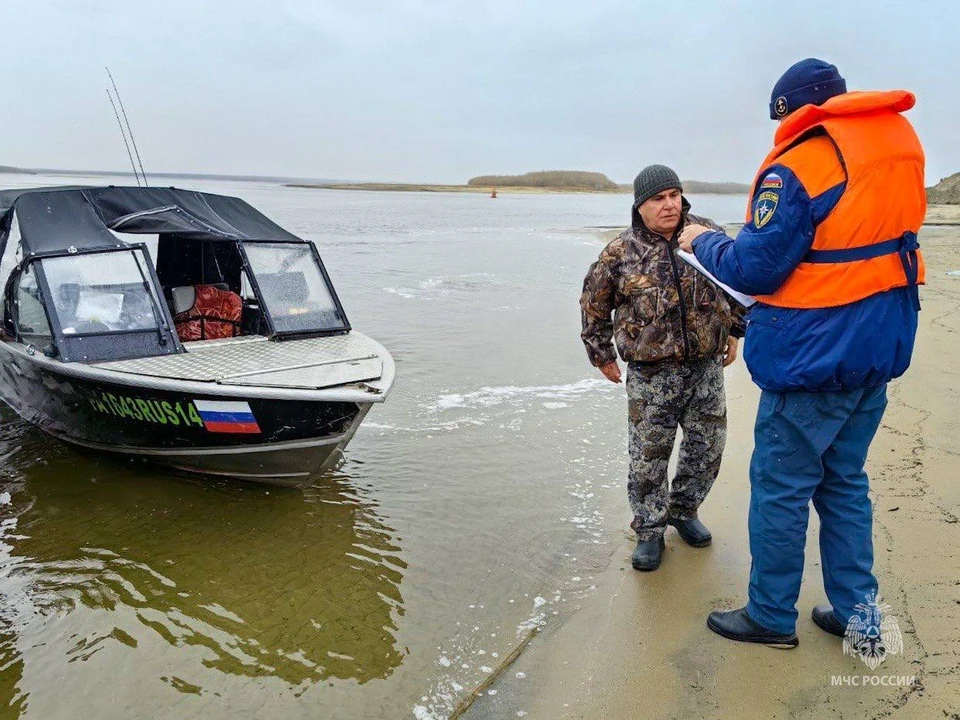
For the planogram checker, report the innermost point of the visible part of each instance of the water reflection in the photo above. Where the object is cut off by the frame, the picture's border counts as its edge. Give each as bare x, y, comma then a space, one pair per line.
185, 582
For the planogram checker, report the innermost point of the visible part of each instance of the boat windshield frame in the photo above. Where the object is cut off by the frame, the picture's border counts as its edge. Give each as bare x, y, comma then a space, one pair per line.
274, 330
110, 344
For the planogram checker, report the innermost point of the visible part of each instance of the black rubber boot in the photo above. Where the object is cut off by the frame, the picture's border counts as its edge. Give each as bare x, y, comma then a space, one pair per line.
826, 620
737, 625
692, 531
648, 554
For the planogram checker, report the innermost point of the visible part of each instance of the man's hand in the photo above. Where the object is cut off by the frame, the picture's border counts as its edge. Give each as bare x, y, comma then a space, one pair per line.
730, 354
689, 234
611, 371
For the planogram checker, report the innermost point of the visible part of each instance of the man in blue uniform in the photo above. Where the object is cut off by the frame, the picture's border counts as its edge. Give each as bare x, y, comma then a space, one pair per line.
830, 251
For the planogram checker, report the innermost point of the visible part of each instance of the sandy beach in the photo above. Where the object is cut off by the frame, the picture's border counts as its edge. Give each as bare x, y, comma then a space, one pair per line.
639, 647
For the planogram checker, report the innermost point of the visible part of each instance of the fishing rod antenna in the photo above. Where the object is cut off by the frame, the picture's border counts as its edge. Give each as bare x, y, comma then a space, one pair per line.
133, 140
124, 136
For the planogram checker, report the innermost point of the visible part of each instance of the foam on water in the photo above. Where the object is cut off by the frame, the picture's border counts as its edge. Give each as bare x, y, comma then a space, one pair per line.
490, 396
441, 286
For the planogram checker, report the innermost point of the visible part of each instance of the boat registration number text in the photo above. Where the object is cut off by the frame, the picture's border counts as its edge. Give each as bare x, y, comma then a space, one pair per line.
162, 412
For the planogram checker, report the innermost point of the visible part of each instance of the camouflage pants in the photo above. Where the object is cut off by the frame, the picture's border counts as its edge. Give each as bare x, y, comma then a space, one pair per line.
660, 397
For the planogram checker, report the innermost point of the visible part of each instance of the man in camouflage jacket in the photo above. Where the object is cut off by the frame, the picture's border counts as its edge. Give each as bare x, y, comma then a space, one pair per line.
676, 330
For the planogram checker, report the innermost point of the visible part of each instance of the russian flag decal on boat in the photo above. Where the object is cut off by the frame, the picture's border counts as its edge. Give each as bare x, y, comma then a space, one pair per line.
227, 417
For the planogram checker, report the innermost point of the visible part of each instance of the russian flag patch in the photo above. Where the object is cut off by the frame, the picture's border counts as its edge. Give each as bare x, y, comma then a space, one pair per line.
772, 181
227, 417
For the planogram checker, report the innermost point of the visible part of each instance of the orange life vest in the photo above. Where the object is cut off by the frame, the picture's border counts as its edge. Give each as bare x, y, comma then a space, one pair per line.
215, 314
868, 243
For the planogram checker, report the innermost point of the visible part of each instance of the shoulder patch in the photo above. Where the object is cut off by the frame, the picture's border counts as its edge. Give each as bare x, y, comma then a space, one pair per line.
772, 181
765, 208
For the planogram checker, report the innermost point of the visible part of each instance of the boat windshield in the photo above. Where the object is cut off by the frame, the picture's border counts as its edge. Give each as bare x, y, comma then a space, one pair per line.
101, 292
293, 287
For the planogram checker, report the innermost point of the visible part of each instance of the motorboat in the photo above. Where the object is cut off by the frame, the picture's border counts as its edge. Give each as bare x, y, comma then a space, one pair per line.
181, 327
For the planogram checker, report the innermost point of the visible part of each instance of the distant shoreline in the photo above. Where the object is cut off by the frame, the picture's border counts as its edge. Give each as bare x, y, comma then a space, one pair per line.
9, 170
506, 189
946, 192
425, 188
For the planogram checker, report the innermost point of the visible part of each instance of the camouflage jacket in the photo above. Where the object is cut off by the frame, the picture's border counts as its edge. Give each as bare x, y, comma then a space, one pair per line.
662, 308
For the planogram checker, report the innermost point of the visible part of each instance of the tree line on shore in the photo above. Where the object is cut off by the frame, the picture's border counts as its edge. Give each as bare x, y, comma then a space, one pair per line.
582, 180
946, 192
548, 179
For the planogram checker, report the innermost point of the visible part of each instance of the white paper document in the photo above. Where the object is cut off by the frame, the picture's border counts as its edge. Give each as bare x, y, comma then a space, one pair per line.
691, 259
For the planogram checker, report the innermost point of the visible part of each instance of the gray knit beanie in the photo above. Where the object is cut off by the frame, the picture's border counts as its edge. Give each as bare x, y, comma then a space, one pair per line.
653, 179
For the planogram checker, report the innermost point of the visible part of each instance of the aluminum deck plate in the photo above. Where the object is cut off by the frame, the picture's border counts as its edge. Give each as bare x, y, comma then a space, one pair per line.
308, 363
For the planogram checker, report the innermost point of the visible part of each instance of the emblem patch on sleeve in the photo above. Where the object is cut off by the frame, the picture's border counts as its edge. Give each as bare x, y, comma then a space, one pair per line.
765, 208
772, 182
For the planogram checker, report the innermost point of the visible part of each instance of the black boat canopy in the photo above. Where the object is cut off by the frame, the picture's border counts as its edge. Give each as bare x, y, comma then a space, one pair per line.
54, 219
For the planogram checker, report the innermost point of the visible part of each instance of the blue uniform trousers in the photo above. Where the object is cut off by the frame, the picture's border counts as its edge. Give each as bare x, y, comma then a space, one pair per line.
811, 446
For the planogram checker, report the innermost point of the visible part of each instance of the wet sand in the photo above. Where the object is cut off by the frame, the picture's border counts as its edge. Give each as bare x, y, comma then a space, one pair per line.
943, 215
638, 646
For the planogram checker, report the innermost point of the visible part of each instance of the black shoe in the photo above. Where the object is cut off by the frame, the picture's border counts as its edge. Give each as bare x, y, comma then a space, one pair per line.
648, 554
825, 619
737, 625
693, 531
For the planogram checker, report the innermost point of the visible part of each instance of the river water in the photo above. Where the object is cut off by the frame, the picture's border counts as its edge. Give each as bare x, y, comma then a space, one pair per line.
473, 506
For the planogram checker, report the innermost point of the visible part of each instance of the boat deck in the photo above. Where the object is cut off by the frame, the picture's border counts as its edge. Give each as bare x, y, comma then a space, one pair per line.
254, 360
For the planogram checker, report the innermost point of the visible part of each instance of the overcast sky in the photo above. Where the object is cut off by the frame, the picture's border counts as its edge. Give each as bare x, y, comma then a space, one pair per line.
440, 91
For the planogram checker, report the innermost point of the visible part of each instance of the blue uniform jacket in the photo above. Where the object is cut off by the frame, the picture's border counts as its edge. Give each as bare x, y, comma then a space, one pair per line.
858, 345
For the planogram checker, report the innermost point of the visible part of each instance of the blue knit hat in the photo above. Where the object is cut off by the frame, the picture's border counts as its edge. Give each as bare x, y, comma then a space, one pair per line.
808, 82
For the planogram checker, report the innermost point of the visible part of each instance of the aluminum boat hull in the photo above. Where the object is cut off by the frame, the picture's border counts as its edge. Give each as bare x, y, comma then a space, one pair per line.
288, 439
